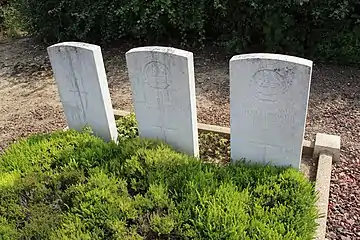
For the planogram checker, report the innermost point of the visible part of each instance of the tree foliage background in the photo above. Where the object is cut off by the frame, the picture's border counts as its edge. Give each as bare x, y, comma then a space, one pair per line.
326, 30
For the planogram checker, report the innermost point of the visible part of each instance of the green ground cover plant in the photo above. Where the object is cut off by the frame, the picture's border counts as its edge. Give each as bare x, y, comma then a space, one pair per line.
214, 148
73, 185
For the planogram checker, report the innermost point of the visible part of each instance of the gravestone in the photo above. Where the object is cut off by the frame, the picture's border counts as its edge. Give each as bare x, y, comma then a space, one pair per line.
268, 99
81, 79
163, 88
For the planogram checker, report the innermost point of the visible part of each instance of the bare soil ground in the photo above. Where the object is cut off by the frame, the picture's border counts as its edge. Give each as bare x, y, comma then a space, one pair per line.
29, 103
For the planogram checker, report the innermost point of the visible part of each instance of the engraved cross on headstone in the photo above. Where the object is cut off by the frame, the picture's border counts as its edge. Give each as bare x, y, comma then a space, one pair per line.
162, 81
162, 108
157, 79
265, 146
79, 72
82, 97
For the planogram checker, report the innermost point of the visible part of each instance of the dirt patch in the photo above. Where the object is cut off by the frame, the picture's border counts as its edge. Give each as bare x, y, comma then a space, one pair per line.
29, 103
309, 167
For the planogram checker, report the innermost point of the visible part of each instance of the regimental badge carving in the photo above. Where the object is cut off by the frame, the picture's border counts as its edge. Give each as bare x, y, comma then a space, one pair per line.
269, 84
156, 75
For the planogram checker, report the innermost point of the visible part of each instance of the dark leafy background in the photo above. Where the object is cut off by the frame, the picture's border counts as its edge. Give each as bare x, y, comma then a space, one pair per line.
324, 30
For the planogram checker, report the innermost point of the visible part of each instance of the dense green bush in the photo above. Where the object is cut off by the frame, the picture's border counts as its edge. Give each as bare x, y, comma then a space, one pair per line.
10, 21
312, 28
3, 5
71, 185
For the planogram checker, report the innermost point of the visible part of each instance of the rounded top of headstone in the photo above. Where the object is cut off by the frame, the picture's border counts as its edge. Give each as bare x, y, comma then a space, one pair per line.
81, 45
160, 49
272, 56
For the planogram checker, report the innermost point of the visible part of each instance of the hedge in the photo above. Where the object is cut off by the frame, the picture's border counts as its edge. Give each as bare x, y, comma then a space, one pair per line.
72, 185
3, 4
310, 28
10, 20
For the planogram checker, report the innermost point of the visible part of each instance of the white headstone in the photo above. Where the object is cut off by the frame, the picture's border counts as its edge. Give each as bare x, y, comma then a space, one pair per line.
268, 99
81, 79
163, 87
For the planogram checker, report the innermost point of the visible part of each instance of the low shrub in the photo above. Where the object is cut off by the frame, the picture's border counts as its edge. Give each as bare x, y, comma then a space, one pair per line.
127, 127
213, 147
72, 185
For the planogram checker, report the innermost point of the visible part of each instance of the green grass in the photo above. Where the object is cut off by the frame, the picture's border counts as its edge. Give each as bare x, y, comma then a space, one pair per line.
71, 185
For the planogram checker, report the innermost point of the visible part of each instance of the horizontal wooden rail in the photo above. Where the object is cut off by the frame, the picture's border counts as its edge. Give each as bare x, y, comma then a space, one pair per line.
308, 146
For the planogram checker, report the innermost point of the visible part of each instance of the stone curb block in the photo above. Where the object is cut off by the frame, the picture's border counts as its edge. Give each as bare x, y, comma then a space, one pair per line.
329, 144
322, 186
327, 151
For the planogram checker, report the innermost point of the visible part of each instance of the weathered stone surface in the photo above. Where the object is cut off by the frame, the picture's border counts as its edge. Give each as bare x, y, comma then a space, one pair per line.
268, 100
326, 143
163, 87
322, 186
81, 79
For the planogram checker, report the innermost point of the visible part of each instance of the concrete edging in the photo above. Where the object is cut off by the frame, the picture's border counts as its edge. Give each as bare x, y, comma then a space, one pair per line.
322, 186
326, 149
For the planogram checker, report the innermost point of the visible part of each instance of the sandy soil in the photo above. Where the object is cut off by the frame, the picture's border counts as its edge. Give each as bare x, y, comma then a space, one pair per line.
29, 103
